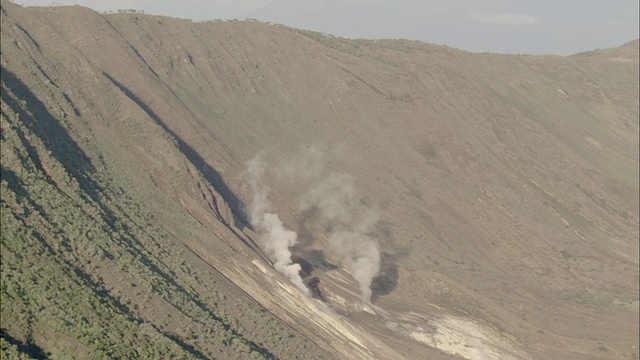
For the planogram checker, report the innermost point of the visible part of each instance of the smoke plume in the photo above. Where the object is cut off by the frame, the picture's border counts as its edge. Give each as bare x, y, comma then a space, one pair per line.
276, 240
361, 255
352, 222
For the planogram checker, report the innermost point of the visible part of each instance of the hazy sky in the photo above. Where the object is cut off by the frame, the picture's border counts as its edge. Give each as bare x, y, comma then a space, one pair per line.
560, 27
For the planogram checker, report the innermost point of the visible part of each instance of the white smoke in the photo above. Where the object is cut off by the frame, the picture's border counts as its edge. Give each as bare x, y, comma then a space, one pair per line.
336, 198
352, 223
275, 239
361, 255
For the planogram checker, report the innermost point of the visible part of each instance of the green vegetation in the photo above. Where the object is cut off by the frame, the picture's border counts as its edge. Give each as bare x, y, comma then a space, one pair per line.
87, 273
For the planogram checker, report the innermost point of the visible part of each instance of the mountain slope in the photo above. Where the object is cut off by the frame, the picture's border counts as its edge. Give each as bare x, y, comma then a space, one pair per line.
508, 190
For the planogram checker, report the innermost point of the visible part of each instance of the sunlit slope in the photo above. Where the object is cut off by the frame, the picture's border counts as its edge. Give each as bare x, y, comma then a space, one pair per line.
508, 185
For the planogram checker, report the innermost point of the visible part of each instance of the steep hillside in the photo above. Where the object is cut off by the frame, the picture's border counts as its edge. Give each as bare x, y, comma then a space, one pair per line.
499, 193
